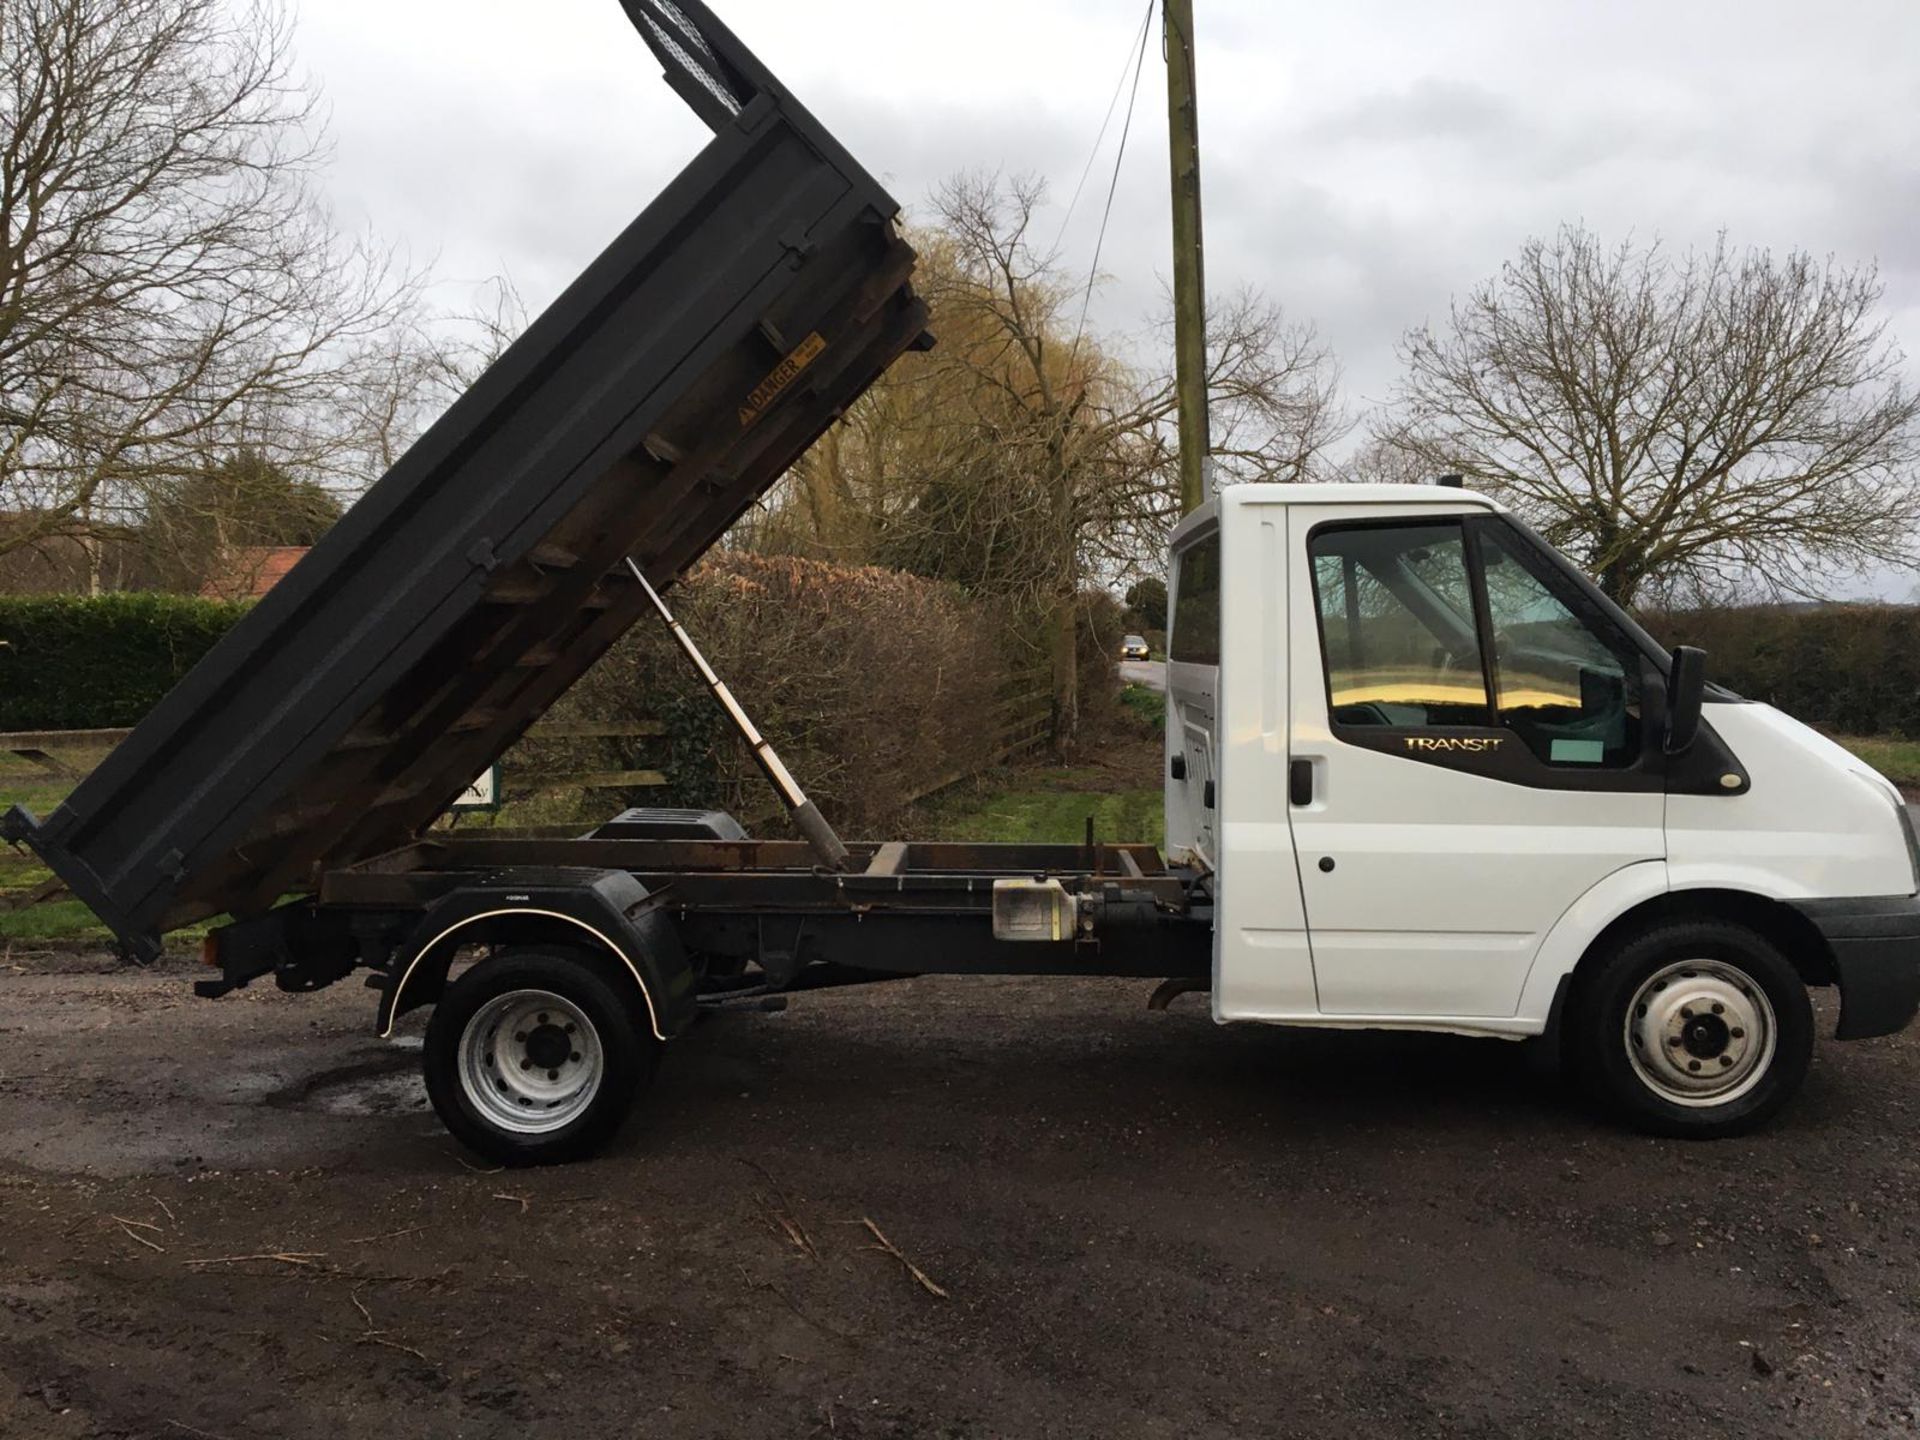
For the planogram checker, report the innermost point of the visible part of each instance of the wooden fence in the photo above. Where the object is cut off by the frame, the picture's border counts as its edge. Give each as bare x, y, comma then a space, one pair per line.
1024, 724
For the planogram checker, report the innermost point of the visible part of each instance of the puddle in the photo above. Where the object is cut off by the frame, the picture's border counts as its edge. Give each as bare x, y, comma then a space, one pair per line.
384, 1083
401, 1094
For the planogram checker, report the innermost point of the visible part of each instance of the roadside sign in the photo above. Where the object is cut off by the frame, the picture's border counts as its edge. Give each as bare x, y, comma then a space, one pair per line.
482, 794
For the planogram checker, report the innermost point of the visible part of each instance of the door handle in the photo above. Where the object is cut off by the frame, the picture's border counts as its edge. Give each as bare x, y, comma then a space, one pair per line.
1300, 782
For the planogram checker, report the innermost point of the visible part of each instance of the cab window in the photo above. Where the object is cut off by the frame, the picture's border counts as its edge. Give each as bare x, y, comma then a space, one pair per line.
1564, 681
1429, 624
1196, 605
1397, 625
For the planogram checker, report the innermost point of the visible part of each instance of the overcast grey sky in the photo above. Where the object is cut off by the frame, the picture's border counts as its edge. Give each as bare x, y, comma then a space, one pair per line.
1364, 160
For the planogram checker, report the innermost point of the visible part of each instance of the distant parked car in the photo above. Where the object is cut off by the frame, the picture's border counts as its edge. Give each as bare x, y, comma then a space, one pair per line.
1134, 648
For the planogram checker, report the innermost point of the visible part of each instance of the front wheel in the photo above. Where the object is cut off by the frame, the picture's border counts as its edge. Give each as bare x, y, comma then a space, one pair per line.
533, 1057
1698, 1029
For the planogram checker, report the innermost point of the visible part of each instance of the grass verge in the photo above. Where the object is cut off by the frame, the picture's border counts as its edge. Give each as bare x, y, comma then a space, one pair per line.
1147, 705
1116, 783
1020, 815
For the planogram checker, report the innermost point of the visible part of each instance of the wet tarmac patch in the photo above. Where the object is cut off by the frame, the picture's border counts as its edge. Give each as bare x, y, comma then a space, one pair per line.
385, 1083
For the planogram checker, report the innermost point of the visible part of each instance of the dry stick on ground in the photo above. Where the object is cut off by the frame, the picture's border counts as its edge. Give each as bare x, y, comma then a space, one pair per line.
133, 1234
782, 1212
186, 1429
307, 1263
308, 1258
802, 1241
373, 1336
523, 1200
389, 1235
171, 1218
926, 1282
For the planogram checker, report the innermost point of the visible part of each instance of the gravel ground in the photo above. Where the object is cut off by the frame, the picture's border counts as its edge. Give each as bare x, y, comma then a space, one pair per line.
239, 1219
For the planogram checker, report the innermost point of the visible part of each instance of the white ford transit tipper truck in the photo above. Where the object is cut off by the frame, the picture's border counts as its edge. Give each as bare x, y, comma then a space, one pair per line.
1420, 774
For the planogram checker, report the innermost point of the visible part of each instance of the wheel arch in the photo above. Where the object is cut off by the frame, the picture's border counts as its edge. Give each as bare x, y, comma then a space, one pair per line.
1774, 920
598, 918
1638, 896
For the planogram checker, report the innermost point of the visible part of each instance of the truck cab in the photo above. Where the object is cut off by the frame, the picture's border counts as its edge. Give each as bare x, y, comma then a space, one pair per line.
1441, 782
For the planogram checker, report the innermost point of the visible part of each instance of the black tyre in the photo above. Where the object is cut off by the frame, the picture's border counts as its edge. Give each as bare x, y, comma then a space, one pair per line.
1697, 1028
535, 1055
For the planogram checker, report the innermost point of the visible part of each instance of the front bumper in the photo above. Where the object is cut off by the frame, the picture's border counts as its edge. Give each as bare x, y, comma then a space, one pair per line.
1875, 944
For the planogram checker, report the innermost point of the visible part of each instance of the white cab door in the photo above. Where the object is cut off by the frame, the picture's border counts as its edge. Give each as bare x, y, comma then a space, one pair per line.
1469, 724
1263, 969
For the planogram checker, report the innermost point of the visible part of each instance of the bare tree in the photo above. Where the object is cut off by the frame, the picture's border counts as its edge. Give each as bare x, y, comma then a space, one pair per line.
1382, 462
1273, 392
1720, 419
171, 292
423, 363
220, 524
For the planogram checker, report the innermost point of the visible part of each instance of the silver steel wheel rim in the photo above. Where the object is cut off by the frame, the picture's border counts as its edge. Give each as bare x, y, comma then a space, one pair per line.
1700, 1033
530, 1061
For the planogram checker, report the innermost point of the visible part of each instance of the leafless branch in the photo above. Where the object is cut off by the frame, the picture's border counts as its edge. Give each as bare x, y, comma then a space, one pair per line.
1689, 423
172, 291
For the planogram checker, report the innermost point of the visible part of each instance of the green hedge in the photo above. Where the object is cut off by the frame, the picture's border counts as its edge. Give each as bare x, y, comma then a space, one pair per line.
74, 662
1853, 669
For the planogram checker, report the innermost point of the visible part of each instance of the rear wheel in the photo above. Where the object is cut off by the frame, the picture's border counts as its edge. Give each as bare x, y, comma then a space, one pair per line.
1695, 1028
534, 1056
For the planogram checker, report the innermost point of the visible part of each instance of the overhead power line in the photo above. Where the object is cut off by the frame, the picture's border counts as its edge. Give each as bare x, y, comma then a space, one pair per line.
1138, 44
1113, 185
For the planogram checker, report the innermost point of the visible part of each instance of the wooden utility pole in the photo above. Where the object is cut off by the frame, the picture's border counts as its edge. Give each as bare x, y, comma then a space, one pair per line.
1189, 268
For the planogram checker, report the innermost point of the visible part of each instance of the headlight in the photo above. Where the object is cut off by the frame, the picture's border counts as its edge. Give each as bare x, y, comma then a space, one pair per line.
1904, 816
1913, 845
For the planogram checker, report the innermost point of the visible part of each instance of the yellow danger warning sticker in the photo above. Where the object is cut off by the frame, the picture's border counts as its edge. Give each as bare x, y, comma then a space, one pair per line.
782, 375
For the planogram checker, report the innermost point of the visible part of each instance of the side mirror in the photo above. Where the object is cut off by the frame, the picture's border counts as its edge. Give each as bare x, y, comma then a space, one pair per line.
1686, 688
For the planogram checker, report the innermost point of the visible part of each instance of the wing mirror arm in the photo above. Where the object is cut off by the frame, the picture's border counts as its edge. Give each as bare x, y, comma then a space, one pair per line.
1686, 691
